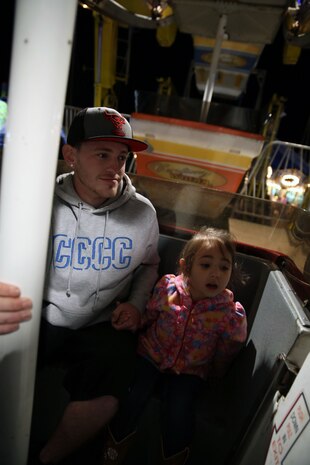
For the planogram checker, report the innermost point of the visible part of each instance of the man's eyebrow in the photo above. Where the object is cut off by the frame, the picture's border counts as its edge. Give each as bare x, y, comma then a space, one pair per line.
100, 148
109, 150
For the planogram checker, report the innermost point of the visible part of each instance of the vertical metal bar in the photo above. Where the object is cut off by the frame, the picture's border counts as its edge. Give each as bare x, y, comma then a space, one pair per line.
42, 44
98, 59
128, 52
208, 92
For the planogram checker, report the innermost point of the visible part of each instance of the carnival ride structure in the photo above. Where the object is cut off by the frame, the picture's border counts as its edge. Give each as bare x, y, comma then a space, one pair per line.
260, 414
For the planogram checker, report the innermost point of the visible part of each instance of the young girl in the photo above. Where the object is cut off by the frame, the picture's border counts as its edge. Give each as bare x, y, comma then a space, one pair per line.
192, 331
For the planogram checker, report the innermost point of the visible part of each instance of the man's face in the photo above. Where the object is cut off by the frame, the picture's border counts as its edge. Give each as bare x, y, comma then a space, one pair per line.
98, 169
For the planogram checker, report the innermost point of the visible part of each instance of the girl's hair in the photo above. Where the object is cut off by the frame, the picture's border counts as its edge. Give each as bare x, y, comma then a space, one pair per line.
208, 237
225, 240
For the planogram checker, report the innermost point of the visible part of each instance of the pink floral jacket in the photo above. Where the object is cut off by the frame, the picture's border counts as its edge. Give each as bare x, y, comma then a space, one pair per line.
183, 336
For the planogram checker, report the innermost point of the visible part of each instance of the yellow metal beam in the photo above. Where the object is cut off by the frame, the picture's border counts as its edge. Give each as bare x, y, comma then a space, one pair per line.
106, 32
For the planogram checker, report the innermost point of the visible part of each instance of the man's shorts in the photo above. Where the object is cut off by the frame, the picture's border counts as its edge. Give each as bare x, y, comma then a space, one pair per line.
98, 360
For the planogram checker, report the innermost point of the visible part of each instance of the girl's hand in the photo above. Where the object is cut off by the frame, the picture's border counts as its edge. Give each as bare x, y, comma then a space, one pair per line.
126, 316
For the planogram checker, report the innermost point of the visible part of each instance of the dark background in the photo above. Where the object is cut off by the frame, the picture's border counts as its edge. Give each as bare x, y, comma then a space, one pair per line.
150, 61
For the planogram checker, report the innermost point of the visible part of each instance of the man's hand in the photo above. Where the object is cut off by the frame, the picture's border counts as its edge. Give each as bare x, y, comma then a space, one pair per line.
14, 309
126, 316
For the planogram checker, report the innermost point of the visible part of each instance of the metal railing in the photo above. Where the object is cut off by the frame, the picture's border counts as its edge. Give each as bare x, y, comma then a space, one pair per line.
280, 157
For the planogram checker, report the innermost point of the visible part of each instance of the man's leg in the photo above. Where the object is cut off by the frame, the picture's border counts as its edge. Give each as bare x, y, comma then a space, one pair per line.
81, 421
122, 428
132, 407
96, 378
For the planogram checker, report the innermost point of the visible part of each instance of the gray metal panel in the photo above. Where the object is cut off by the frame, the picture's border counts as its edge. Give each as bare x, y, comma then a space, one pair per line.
280, 320
280, 327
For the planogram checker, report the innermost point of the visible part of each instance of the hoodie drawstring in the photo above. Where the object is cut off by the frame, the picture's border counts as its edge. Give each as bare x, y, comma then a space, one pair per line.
68, 291
100, 264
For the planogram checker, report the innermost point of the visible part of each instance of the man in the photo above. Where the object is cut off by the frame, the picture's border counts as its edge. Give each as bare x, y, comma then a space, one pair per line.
101, 267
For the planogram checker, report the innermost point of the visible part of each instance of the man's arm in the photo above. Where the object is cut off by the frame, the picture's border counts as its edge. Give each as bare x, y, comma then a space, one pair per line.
146, 274
14, 309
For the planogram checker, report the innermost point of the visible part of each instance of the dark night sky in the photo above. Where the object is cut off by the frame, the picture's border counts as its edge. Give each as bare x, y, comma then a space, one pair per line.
149, 61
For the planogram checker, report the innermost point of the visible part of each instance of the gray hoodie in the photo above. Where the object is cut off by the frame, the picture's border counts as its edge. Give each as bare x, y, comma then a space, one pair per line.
99, 256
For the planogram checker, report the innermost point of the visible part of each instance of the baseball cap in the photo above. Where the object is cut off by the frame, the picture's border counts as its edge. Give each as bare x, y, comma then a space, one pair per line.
102, 123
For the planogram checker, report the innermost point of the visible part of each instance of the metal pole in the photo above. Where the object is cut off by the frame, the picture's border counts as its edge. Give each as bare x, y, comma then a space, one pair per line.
98, 59
42, 43
208, 92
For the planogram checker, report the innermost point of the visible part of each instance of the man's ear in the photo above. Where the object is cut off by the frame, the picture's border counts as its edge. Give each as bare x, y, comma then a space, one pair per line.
68, 152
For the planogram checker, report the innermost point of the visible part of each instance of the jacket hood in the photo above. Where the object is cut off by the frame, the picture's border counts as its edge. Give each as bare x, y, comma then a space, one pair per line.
65, 190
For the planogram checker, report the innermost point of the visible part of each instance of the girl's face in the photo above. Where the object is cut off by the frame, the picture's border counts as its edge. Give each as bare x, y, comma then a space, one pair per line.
210, 273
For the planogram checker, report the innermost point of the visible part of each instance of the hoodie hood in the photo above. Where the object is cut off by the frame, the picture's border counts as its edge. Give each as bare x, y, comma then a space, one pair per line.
65, 191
